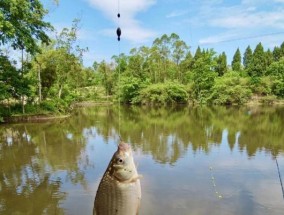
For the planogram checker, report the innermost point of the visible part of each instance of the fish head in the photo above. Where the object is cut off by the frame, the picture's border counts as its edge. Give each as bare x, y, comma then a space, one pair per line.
123, 164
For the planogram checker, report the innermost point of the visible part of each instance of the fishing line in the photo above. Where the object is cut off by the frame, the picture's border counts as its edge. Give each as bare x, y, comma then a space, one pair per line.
241, 38
280, 179
220, 196
118, 33
274, 154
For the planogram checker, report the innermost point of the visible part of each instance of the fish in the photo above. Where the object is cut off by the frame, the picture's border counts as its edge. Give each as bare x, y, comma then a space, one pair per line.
119, 191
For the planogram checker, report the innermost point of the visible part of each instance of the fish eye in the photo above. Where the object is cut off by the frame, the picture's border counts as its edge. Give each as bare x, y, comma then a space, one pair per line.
120, 160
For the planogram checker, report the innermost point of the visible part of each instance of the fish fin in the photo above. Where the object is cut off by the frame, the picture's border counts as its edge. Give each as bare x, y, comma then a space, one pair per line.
136, 178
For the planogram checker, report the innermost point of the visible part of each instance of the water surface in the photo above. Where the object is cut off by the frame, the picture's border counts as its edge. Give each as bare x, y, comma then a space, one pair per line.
217, 161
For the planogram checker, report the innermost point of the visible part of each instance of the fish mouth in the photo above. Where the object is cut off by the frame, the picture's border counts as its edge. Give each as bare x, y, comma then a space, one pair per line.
124, 147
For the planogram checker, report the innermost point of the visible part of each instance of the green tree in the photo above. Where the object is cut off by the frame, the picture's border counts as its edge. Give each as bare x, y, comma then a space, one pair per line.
135, 66
276, 71
58, 69
107, 77
247, 57
257, 65
198, 54
268, 58
121, 62
221, 67
236, 63
278, 52
204, 75
13, 83
22, 24
179, 48
186, 67
230, 89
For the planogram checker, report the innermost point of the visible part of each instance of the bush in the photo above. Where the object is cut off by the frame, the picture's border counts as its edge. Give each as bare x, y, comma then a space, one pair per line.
48, 105
230, 89
128, 90
163, 93
278, 88
4, 112
276, 71
268, 99
261, 85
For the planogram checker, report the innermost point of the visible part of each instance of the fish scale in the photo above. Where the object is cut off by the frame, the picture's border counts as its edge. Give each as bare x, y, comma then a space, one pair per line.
115, 197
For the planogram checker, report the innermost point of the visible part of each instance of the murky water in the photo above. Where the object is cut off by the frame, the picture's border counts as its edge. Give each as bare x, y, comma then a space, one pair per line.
218, 161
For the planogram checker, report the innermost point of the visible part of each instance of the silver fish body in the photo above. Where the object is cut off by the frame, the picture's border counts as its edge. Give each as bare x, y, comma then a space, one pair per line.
119, 192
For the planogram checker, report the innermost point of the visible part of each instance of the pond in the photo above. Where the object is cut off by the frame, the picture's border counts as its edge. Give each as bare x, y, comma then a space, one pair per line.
217, 161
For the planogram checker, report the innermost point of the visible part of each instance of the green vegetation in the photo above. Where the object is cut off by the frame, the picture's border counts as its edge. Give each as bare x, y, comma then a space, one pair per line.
50, 75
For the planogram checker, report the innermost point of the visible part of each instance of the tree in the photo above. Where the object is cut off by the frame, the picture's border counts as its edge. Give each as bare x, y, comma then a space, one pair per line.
278, 52
204, 75
257, 65
121, 63
247, 57
221, 67
179, 48
107, 77
186, 66
22, 24
197, 54
230, 89
13, 84
236, 63
268, 58
276, 71
45, 71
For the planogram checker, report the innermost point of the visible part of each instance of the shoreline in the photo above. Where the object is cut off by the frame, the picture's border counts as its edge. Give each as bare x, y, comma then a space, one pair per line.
49, 117
33, 118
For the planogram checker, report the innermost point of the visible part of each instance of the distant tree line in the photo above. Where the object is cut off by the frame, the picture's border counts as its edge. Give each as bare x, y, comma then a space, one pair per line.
50, 75
168, 72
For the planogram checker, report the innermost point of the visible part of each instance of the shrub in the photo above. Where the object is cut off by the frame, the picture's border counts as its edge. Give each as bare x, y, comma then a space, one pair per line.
48, 105
268, 99
163, 93
230, 89
128, 89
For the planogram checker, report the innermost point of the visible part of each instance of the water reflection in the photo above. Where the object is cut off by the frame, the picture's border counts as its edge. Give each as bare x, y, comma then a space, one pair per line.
54, 168
167, 133
29, 154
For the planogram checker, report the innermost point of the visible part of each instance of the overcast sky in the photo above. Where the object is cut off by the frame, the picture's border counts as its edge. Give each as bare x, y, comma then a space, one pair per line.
223, 25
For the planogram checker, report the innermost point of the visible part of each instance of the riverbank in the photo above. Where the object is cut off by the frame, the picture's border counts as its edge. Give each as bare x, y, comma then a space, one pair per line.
40, 117
48, 116
33, 118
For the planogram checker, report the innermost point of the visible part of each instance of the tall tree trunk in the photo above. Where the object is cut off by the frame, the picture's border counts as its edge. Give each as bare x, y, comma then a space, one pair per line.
22, 96
39, 84
60, 91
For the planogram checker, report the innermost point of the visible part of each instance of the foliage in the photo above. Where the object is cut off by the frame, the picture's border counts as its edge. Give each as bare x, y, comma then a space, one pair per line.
204, 75
261, 86
236, 63
230, 89
257, 65
107, 77
163, 93
53, 77
13, 83
128, 89
22, 24
247, 57
276, 71
221, 67
270, 99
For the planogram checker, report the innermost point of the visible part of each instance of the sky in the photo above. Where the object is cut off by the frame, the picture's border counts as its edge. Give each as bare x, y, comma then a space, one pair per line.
223, 25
